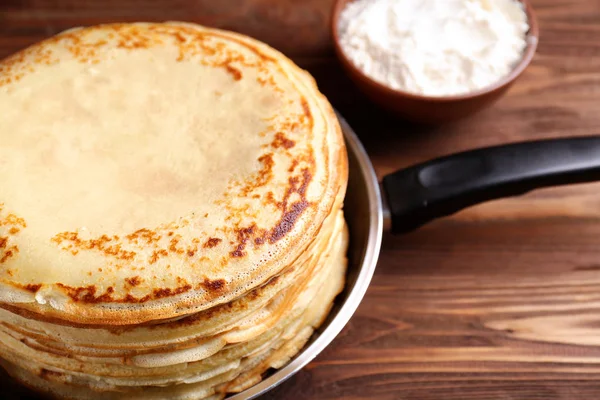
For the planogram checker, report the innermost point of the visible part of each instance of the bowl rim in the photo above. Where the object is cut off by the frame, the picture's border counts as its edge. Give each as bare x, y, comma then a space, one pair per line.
531, 38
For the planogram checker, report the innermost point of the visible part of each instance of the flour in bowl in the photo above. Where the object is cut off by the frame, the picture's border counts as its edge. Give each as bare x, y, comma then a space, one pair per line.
434, 47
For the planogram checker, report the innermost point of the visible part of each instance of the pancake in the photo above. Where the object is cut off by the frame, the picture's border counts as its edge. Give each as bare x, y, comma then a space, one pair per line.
171, 219
239, 375
167, 189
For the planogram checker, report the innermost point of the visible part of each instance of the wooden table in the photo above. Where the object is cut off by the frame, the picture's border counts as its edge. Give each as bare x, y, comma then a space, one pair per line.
501, 301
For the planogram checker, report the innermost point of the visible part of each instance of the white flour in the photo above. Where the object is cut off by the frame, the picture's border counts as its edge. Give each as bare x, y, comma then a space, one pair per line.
434, 47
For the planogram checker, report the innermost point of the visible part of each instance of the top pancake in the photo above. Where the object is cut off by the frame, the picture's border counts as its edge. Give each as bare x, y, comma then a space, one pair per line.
153, 170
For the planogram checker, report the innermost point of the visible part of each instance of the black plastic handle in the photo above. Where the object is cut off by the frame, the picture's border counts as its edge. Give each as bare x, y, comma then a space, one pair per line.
443, 186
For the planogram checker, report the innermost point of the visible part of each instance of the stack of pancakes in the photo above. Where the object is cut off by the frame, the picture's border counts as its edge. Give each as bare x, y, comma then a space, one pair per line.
171, 218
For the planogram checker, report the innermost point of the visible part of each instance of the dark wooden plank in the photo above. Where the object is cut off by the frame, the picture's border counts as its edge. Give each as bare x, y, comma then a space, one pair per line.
297, 27
501, 301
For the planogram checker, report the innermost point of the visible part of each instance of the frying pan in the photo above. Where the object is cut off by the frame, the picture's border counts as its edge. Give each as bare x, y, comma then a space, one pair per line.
424, 192
420, 194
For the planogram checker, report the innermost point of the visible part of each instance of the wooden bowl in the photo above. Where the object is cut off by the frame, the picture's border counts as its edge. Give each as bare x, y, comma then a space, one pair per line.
432, 109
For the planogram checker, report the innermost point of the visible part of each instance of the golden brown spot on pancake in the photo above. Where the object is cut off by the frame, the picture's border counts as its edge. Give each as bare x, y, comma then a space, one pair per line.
3, 241
243, 235
173, 245
133, 37
287, 221
157, 254
292, 213
180, 38
307, 114
270, 198
106, 296
87, 294
236, 73
273, 280
293, 166
259, 240
8, 254
213, 286
12, 219
255, 293
263, 176
306, 108
212, 242
134, 280
131, 299
104, 244
160, 293
149, 236
307, 177
33, 288
192, 250
14, 230
282, 141
269, 80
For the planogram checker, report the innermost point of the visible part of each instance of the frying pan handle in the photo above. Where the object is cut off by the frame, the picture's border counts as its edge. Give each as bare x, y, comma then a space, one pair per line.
443, 186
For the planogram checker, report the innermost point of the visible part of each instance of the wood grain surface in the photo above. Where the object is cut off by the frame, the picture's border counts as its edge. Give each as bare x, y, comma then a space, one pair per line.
501, 301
